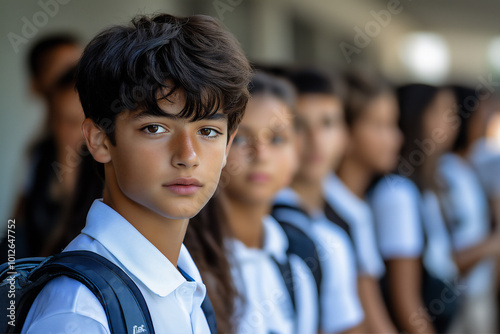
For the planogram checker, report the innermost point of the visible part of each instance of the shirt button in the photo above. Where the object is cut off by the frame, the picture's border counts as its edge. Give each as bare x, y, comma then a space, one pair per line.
185, 291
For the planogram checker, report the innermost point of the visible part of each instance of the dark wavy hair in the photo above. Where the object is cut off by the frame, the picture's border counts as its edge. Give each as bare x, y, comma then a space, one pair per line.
133, 67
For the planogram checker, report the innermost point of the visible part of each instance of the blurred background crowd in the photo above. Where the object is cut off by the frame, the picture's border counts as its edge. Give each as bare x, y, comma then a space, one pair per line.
418, 81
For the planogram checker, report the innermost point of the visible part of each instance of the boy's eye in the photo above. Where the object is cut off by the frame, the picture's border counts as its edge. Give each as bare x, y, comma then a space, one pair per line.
154, 129
208, 132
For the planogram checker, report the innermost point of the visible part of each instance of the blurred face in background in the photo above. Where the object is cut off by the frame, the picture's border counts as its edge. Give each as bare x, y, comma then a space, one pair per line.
321, 134
440, 122
53, 65
375, 138
66, 118
262, 159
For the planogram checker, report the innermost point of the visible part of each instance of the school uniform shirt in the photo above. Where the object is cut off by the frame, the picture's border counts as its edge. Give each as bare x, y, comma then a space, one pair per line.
341, 309
396, 203
357, 214
266, 306
438, 253
467, 208
485, 159
410, 224
65, 305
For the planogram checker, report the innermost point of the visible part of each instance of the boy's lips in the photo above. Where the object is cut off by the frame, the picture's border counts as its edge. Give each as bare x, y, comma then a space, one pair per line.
184, 186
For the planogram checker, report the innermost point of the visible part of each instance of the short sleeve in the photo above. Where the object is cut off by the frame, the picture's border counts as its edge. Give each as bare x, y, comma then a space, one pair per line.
66, 306
395, 203
340, 305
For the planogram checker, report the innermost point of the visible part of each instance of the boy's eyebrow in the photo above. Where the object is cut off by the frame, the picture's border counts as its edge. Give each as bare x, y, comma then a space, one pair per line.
144, 114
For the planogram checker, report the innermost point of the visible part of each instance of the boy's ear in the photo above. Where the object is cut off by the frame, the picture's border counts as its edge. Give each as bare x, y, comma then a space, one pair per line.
228, 147
97, 141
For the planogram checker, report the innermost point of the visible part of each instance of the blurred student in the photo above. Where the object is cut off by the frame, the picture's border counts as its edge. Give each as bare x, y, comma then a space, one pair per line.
477, 109
50, 182
319, 119
466, 209
430, 122
401, 216
278, 290
371, 111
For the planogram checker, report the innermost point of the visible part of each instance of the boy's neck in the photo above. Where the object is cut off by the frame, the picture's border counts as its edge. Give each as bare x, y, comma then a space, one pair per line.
310, 192
245, 221
355, 176
165, 234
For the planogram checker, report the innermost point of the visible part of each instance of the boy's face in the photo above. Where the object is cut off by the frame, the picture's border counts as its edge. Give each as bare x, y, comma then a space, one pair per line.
263, 157
168, 165
321, 132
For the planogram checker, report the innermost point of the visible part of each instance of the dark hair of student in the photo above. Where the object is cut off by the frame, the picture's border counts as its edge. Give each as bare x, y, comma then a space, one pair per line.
204, 239
413, 100
361, 89
313, 81
466, 112
264, 84
133, 67
89, 187
42, 49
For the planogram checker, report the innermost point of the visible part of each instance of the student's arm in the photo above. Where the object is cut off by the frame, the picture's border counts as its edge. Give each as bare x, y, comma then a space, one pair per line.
468, 258
404, 280
495, 210
377, 318
66, 323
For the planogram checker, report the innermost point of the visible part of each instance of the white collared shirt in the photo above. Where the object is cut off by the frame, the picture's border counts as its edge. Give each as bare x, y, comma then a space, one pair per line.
484, 155
357, 214
65, 305
266, 305
468, 206
340, 305
396, 207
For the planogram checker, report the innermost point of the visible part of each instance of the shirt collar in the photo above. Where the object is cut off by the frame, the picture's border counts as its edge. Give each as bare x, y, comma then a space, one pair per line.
289, 197
343, 199
275, 243
135, 253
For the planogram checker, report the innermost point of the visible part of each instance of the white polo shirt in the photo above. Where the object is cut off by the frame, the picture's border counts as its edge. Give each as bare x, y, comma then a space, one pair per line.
65, 305
357, 214
438, 252
266, 305
468, 206
396, 205
340, 306
485, 157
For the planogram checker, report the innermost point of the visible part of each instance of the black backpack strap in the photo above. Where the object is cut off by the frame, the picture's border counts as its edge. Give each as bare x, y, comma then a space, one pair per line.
334, 217
301, 245
121, 299
287, 275
206, 306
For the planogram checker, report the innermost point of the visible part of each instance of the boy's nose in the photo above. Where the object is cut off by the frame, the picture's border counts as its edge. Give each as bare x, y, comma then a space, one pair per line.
184, 155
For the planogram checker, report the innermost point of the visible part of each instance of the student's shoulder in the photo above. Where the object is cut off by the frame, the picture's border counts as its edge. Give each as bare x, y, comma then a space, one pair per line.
394, 187
64, 305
